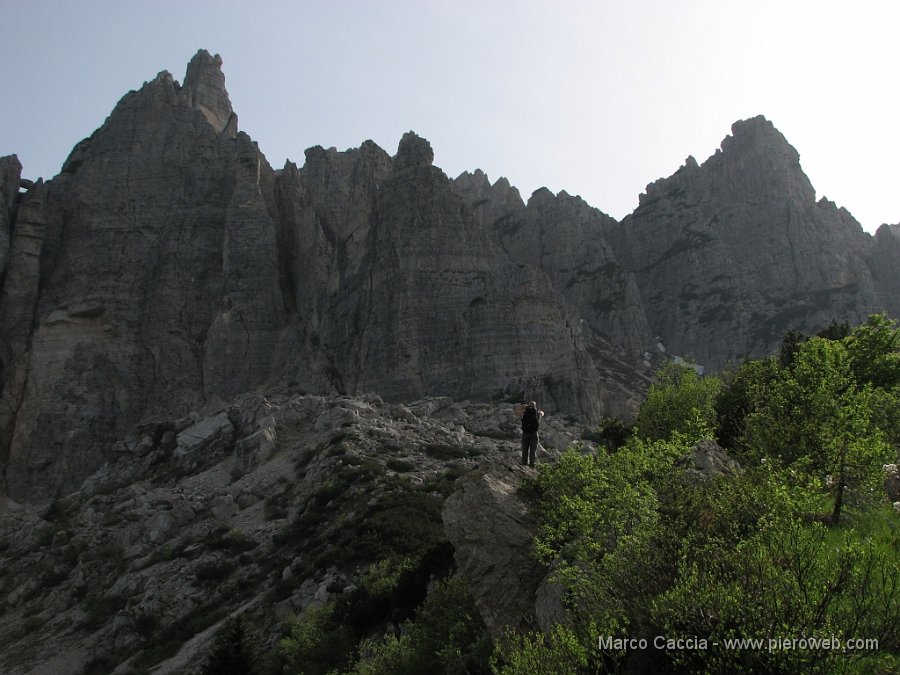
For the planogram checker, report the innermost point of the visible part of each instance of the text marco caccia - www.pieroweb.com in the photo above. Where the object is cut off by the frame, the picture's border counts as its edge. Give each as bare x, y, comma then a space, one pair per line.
774, 644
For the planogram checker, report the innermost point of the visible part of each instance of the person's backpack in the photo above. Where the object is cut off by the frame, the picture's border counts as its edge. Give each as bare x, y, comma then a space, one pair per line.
530, 421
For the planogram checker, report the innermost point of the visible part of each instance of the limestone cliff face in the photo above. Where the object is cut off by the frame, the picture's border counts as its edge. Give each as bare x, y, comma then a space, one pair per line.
168, 266
400, 290
885, 258
564, 240
141, 280
731, 254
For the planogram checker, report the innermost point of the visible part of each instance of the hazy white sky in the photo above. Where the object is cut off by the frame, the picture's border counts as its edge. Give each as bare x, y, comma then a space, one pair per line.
598, 98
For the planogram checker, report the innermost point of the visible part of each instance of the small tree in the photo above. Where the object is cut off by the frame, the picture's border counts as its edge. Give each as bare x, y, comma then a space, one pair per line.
815, 418
679, 402
234, 651
736, 399
874, 349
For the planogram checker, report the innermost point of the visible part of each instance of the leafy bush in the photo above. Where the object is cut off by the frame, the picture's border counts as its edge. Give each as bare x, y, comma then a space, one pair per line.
234, 651
641, 551
786, 581
613, 432
445, 452
558, 653
680, 401
818, 419
400, 465
214, 570
446, 635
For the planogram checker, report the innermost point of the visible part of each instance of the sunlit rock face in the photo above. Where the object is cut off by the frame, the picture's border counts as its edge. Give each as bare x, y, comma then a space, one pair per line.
169, 266
731, 254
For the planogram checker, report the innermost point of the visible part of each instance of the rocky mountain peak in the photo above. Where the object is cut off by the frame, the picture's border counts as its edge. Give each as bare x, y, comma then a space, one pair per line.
478, 191
731, 254
758, 135
889, 230
540, 197
413, 151
204, 84
474, 181
759, 155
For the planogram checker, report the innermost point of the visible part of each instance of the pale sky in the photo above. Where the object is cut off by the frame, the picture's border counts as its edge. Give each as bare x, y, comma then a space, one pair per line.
597, 98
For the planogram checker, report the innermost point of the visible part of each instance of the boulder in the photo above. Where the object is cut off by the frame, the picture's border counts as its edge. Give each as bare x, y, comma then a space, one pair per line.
707, 460
209, 437
491, 532
892, 482
253, 450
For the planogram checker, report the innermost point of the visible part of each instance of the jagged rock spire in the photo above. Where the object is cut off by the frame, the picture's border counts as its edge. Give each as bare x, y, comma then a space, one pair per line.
204, 84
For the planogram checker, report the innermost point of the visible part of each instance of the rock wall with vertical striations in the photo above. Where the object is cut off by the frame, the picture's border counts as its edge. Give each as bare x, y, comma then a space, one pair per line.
141, 280
884, 258
400, 290
564, 240
169, 266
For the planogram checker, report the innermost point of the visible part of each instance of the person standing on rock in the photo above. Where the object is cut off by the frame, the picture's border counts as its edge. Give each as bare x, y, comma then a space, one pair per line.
531, 422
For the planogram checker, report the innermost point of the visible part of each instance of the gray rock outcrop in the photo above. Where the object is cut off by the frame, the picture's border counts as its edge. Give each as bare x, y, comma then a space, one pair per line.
565, 240
10, 172
883, 260
400, 291
731, 254
194, 519
142, 279
493, 541
707, 460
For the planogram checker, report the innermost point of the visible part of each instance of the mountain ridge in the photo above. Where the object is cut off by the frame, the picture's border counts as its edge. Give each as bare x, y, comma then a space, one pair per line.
169, 264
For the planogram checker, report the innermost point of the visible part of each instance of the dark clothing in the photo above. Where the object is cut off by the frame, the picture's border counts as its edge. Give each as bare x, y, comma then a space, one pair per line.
529, 447
530, 420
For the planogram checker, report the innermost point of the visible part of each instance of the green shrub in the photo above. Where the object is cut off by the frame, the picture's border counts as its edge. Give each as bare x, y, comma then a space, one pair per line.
613, 432
558, 653
680, 401
214, 570
446, 635
316, 643
400, 465
445, 452
233, 541
788, 580
235, 651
